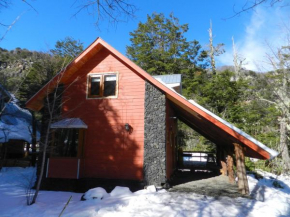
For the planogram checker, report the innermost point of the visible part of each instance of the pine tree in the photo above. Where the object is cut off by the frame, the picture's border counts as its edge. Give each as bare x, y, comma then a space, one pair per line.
159, 47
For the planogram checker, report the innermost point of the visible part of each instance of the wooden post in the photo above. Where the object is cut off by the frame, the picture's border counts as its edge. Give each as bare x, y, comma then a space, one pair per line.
230, 166
241, 170
222, 160
224, 169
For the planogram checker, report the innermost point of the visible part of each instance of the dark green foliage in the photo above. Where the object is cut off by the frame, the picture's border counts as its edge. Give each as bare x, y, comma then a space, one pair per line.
68, 48
159, 46
39, 74
190, 140
220, 93
250, 166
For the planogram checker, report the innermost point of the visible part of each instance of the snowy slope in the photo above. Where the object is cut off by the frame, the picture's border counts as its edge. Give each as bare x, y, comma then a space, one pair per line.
121, 202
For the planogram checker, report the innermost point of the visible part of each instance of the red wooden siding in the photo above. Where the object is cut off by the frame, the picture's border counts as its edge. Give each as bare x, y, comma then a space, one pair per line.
66, 168
171, 133
109, 150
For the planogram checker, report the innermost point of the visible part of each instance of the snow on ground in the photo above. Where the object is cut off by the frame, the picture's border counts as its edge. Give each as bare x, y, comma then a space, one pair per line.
121, 202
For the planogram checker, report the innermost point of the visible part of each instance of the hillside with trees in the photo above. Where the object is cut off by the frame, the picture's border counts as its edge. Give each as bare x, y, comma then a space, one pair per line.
24, 72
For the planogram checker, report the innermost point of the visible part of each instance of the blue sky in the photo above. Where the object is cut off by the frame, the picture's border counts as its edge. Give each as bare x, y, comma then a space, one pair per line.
252, 31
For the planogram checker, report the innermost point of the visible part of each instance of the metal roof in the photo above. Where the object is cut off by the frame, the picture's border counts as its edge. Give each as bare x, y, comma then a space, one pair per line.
70, 123
169, 79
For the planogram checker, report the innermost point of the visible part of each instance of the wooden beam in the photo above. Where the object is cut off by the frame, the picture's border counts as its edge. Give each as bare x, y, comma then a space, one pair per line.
241, 170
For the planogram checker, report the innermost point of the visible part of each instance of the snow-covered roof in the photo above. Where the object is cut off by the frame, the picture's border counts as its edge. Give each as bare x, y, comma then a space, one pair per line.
69, 123
15, 123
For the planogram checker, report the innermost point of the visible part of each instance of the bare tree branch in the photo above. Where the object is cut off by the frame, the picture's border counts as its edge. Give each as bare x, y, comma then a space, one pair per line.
10, 26
251, 5
4, 3
30, 5
113, 11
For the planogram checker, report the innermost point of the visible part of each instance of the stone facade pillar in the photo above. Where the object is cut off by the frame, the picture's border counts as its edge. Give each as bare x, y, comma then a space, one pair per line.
154, 136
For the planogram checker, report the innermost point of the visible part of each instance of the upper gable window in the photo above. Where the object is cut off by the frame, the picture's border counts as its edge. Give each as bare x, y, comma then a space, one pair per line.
102, 85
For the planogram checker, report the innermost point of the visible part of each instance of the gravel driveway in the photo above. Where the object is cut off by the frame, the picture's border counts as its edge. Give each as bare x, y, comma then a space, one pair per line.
204, 183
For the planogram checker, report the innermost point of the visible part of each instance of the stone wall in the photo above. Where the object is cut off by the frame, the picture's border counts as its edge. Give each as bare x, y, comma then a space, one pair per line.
155, 136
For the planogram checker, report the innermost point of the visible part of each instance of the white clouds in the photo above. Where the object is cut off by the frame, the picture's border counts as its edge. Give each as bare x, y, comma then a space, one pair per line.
264, 29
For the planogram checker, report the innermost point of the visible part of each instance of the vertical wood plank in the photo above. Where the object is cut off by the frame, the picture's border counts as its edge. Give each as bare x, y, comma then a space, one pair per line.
241, 170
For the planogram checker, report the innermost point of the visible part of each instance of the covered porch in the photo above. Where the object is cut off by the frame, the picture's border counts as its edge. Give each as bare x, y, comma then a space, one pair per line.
232, 144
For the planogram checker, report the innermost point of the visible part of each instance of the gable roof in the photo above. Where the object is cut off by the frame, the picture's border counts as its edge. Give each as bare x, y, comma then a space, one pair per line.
204, 122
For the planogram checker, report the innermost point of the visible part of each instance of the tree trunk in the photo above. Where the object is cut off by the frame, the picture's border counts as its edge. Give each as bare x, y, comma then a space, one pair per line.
284, 146
221, 160
230, 166
42, 168
211, 53
241, 170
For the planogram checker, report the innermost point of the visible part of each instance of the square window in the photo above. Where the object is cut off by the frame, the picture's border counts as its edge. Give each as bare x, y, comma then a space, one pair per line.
102, 85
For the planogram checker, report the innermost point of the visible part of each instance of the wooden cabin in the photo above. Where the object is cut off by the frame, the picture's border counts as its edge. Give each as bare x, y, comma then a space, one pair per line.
119, 122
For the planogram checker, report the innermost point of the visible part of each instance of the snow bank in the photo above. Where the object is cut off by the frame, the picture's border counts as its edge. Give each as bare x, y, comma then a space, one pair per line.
18, 176
120, 191
96, 194
151, 189
147, 202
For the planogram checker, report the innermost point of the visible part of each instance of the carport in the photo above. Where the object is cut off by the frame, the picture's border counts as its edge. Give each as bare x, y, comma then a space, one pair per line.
231, 142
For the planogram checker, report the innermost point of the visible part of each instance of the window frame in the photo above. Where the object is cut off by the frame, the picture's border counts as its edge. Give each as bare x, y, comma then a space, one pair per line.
80, 144
102, 80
